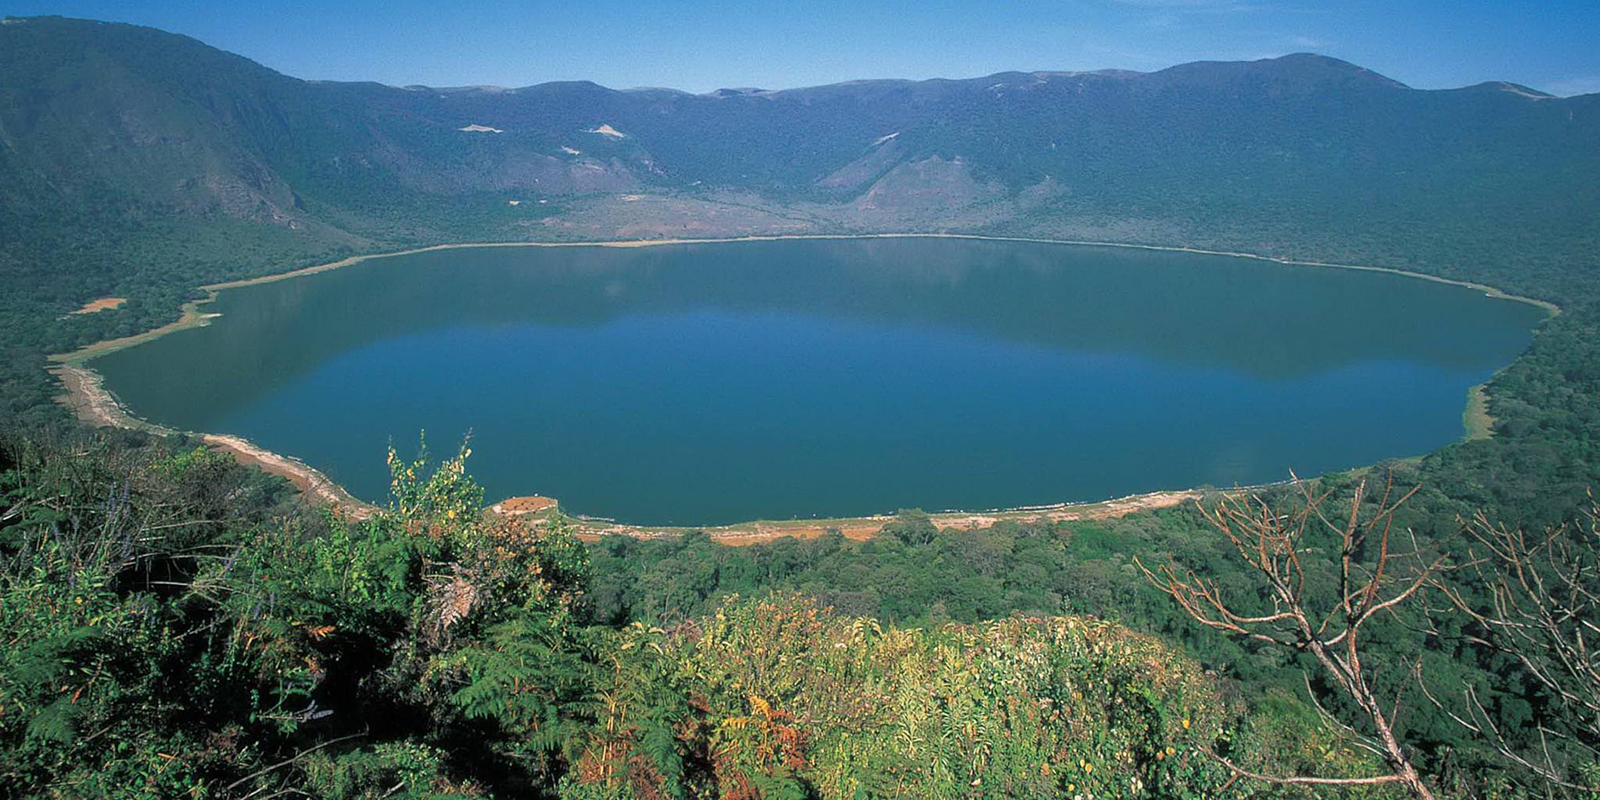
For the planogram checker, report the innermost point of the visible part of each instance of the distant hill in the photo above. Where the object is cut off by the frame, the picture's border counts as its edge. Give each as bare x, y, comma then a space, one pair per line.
97, 113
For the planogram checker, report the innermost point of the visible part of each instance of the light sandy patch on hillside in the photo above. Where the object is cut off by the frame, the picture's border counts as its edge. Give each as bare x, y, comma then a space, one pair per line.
1518, 90
571, 151
879, 157
933, 184
883, 138
607, 130
476, 128
102, 304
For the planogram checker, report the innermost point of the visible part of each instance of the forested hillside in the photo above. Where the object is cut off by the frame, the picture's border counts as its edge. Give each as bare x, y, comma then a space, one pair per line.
174, 625
173, 628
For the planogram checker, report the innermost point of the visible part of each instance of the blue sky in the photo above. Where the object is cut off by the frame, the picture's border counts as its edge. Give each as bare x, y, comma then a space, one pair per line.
775, 44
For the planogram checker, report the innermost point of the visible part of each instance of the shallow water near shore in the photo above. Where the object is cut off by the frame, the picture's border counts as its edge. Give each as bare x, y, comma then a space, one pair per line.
713, 383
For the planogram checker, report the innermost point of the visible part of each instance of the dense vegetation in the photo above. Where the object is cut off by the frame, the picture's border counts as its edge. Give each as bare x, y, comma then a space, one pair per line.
913, 574
176, 626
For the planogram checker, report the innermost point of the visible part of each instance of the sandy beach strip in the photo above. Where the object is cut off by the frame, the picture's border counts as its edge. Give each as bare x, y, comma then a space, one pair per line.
94, 405
864, 528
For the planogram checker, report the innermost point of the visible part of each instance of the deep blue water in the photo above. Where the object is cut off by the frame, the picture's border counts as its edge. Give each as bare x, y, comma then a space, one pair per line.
715, 383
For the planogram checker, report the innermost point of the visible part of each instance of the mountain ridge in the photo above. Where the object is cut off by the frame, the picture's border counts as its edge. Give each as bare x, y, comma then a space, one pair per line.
1329, 63
130, 127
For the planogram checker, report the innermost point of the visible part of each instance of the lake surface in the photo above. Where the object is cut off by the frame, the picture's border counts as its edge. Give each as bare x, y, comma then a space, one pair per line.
714, 383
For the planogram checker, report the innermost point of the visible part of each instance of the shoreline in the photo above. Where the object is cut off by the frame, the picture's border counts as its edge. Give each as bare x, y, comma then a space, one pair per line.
741, 534
93, 403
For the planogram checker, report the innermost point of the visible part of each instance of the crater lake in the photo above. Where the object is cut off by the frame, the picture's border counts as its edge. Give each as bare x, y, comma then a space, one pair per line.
698, 384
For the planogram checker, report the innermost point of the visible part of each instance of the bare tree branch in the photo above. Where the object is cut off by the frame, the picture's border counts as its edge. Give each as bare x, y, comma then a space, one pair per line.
1271, 542
1535, 599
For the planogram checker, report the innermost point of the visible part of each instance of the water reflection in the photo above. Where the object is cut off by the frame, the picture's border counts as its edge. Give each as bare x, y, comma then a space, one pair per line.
1189, 326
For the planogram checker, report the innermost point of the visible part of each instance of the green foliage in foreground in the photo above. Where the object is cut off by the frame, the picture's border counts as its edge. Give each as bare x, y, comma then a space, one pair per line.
171, 629
788, 701
912, 574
